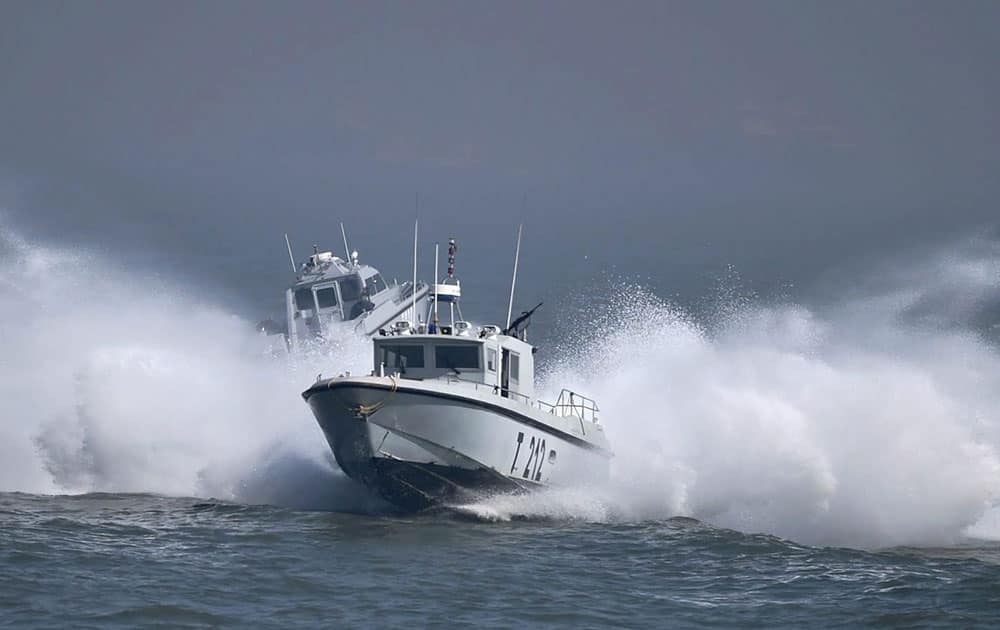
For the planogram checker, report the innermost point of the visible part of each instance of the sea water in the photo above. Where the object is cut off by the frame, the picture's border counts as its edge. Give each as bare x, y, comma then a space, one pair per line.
776, 465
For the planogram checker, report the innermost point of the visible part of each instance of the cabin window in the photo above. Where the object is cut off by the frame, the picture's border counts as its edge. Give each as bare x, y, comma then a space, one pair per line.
457, 357
491, 360
327, 298
515, 367
304, 300
350, 289
402, 357
375, 284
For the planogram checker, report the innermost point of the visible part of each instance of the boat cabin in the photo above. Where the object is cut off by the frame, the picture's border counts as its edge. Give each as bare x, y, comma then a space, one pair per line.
342, 297
329, 290
487, 358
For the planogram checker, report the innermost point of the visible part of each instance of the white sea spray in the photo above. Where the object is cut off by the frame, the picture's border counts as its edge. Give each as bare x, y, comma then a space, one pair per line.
872, 422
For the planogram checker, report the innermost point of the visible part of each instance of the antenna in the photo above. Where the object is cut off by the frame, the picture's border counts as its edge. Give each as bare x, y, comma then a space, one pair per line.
513, 281
291, 258
435, 284
414, 288
347, 250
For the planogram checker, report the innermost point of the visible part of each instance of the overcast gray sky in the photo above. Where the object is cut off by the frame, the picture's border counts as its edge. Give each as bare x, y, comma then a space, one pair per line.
664, 139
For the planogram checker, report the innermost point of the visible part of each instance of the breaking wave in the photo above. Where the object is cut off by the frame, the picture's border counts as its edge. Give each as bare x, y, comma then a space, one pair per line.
872, 422
875, 422
119, 381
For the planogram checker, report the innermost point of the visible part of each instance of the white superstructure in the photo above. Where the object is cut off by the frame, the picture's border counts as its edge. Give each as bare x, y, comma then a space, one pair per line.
330, 292
449, 413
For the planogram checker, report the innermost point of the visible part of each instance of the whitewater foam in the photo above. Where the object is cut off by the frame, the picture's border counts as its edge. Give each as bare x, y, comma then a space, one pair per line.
857, 426
121, 382
868, 423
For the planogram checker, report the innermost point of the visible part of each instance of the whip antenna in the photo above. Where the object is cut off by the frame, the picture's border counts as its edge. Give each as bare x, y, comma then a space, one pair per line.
347, 250
414, 287
435, 284
513, 281
291, 258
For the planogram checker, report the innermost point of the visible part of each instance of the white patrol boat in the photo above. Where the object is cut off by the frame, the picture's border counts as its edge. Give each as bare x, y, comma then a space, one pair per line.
449, 415
330, 292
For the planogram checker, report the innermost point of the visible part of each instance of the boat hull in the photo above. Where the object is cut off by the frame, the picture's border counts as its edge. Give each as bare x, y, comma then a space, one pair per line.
419, 445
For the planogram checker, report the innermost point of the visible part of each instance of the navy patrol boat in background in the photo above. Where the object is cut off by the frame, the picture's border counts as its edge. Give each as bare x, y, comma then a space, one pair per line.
330, 293
448, 415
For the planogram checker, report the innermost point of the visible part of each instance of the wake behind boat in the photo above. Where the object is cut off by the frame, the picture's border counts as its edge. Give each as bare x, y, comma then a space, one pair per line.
448, 416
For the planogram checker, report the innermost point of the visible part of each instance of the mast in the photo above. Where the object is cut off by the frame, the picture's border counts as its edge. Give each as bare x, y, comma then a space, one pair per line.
435, 286
513, 281
452, 248
414, 287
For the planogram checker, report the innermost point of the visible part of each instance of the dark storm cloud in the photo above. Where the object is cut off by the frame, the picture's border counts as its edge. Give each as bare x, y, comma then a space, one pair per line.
664, 139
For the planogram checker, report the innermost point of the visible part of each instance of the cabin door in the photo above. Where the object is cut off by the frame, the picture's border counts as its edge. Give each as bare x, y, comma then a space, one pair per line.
505, 373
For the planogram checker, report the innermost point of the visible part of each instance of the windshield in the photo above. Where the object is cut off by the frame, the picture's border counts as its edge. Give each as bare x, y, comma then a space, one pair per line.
304, 300
326, 297
454, 356
403, 356
350, 289
375, 284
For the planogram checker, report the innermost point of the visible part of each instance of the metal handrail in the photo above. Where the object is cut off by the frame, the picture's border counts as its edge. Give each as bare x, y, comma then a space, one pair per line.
569, 403
493, 389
